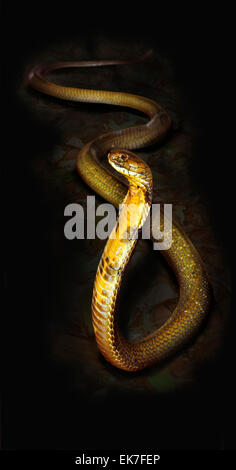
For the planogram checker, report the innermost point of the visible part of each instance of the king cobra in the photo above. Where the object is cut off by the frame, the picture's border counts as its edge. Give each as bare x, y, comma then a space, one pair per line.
194, 286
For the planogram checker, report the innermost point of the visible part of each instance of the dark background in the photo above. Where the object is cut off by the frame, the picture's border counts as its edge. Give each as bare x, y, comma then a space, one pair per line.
34, 396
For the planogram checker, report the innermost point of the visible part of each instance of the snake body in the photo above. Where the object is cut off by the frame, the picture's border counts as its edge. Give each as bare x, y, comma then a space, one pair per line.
194, 297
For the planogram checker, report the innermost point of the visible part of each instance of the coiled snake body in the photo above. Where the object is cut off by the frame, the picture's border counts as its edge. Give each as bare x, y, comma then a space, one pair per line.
192, 277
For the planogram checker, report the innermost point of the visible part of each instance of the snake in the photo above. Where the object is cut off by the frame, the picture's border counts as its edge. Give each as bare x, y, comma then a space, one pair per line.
128, 180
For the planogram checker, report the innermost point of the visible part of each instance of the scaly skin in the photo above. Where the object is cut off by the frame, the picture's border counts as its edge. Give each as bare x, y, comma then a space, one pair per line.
195, 292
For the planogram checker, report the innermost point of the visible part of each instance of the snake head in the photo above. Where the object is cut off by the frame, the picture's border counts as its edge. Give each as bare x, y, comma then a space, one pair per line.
127, 163
118, 159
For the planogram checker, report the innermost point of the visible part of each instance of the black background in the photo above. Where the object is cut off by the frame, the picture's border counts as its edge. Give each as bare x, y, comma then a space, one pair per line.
34, 397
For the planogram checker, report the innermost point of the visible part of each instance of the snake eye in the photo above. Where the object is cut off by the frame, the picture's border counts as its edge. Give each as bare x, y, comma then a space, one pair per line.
122, 158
